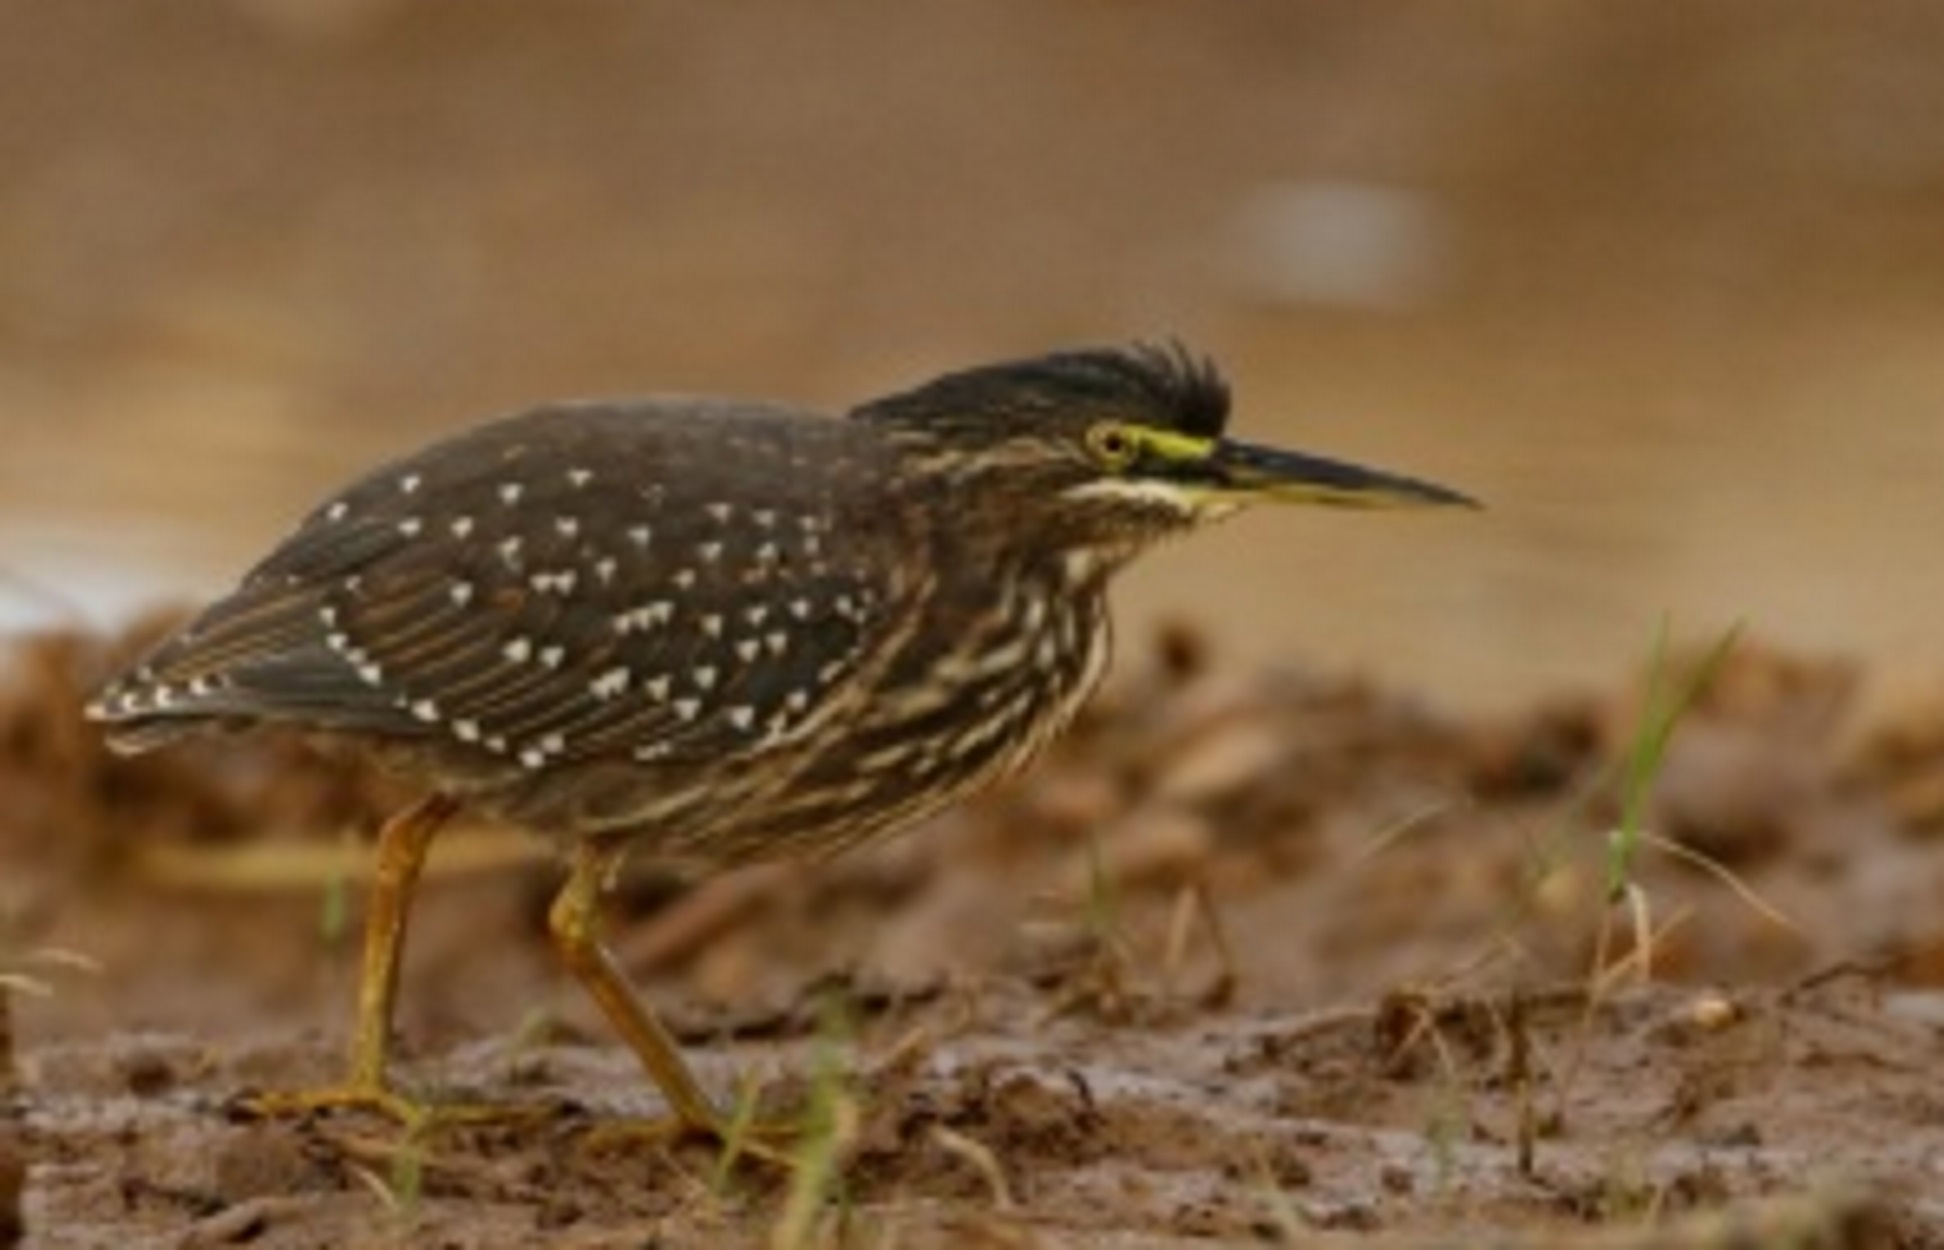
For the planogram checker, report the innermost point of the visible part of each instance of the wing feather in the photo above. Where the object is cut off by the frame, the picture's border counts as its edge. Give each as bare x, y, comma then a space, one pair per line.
651, 581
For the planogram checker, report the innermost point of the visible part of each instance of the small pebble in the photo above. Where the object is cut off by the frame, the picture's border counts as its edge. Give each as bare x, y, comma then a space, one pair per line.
1712, 1011
1221, 761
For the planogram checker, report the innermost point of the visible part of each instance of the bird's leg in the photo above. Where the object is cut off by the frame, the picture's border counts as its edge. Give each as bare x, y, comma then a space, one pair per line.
574, 920
402, 845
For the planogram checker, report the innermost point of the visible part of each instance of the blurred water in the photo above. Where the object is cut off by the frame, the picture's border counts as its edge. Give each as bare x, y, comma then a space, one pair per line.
1653, 501
1662, 286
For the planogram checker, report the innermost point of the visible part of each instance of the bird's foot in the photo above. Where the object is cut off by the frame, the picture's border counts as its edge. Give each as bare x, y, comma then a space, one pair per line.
774, 1142
740, 1133
377, 1098
790, 1132
367, 1096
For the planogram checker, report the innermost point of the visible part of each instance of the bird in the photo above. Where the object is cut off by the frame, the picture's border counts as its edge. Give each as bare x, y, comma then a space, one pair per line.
712, 632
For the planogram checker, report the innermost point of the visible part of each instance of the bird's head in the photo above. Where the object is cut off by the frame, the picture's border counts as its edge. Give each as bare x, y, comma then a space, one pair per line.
1110, 450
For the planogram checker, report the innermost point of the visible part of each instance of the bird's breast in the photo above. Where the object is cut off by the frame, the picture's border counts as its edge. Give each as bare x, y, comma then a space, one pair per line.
985, 680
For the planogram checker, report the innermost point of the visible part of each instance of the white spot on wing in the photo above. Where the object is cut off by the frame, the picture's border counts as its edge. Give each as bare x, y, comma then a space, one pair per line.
518, 650
410, 526
409, 483
644, 617
509, 493
461, 526
426, 710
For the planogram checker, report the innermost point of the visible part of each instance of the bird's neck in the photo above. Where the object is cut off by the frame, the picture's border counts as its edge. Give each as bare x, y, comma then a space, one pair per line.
1024, 640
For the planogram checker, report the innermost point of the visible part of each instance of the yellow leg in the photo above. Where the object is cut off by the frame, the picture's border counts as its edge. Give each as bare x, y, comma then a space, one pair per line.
574, 921
401, 854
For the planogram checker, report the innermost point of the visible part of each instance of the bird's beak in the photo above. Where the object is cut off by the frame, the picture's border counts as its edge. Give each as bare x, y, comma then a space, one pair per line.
1266, 474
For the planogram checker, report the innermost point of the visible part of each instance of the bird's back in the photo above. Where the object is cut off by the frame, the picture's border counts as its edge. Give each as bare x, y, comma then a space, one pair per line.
650, 581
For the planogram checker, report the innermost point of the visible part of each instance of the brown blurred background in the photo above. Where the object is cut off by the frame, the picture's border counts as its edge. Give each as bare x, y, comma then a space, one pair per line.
1664, 284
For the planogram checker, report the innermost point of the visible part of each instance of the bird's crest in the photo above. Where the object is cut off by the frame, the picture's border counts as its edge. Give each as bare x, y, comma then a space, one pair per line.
1166, 383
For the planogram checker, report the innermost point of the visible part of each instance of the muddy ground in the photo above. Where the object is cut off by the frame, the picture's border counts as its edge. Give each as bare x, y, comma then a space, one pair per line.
1260, 956
1264, 953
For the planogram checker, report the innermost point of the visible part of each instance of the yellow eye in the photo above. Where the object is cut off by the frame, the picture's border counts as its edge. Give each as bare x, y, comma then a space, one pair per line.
1114, 446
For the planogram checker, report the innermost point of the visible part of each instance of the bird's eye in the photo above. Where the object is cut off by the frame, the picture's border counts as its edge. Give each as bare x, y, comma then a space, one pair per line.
1112, 445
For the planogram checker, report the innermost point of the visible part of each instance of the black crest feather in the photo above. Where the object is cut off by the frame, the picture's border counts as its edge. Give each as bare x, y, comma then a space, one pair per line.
1163, 383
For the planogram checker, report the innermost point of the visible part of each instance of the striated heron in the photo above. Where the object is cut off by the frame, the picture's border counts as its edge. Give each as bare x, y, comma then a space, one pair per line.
714, 632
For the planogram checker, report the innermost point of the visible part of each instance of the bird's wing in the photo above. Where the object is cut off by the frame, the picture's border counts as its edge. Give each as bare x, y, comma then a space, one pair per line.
653, 581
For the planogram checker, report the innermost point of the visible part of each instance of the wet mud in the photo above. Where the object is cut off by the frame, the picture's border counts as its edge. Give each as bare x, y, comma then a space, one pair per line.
1260, 956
